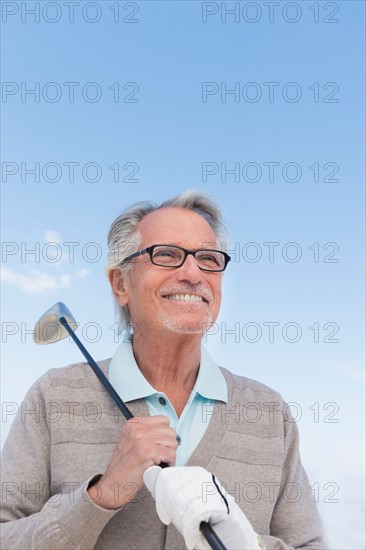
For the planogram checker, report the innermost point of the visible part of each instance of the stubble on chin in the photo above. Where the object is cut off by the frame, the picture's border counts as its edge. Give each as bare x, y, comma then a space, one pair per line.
186, 327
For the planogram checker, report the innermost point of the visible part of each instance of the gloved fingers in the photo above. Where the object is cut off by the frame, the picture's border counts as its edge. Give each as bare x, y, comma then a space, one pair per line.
187, 496
236, 531
191, 521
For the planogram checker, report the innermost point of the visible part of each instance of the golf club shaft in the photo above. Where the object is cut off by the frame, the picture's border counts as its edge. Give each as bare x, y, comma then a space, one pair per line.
98, 371
205, 527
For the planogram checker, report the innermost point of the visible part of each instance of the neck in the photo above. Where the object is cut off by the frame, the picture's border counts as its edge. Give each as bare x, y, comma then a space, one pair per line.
169, 363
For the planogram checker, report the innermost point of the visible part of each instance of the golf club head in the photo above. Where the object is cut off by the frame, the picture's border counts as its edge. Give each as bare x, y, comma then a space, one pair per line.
48, 329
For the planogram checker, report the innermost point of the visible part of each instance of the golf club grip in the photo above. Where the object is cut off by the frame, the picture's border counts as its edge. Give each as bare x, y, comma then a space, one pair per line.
205, 528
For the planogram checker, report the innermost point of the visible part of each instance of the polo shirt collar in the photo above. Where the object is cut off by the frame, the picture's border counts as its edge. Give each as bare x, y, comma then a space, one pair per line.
130, 383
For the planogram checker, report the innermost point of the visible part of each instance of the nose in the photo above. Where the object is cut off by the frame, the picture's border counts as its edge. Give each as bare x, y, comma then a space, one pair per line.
189, 271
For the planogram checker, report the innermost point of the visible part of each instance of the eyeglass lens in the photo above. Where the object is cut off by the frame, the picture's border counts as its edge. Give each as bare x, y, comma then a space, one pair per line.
170, 256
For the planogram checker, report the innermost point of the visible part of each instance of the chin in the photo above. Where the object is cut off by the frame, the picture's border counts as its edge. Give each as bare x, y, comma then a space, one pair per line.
187, 327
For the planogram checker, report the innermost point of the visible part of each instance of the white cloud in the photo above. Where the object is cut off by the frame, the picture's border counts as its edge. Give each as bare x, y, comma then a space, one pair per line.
36, 279
36, 282
51, 236
83, 273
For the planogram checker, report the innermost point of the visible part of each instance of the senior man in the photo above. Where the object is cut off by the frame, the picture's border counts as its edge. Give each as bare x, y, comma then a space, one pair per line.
77, 481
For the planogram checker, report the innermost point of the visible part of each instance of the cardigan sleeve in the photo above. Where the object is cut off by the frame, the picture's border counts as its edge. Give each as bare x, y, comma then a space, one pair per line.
34, 514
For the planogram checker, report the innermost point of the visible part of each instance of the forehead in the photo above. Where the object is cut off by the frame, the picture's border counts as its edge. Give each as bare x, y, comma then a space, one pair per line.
176, 226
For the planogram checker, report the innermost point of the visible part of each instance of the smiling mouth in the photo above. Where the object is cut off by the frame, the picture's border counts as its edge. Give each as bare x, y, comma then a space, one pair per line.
185, 298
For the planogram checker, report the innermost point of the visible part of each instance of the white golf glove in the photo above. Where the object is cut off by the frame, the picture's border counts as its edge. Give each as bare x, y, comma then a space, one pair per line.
188, 495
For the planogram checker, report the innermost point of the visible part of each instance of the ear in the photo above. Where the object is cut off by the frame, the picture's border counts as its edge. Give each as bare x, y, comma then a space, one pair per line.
118, 284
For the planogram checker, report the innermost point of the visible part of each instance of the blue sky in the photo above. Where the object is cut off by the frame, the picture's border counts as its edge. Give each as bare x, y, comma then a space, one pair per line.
172, 127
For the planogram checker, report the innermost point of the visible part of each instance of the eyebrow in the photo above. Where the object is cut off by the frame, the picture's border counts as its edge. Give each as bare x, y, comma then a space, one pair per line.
182, 246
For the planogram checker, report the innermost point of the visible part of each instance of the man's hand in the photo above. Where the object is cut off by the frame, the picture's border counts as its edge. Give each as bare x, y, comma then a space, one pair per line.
144, 442
186, 496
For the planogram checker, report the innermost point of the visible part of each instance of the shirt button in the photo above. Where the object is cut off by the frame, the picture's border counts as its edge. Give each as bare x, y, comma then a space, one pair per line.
162, 401
179, 440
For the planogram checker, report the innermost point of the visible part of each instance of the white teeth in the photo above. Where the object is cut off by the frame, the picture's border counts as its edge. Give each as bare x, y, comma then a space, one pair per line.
185, 297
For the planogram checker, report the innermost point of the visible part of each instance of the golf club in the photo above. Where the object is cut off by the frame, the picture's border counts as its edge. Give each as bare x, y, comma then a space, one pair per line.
56, 324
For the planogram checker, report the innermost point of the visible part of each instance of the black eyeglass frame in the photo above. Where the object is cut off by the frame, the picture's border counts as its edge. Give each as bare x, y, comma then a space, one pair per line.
150, 249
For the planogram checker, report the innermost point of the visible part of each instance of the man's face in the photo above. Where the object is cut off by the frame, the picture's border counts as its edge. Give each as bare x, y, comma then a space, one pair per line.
151, 291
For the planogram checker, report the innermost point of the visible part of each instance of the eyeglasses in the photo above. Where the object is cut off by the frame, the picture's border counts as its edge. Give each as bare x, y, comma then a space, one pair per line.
166, 255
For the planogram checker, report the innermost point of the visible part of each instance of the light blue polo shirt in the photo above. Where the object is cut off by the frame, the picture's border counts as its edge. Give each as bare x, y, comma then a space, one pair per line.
210, 386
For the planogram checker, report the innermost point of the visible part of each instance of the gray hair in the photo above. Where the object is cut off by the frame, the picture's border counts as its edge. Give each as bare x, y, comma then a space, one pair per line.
124, 237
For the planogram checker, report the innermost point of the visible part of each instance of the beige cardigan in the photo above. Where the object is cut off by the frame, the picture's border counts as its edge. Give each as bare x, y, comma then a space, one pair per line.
65, 434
